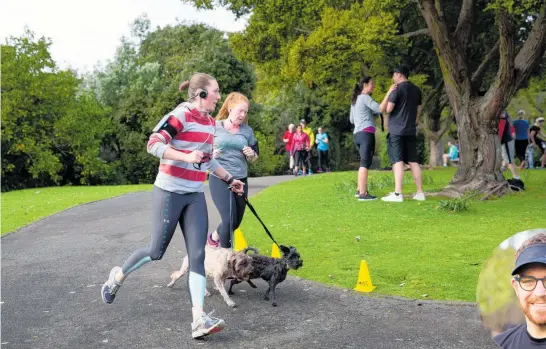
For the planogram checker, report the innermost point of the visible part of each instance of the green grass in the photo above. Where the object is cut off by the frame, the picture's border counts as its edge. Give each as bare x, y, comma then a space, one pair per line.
22, 207
412, 248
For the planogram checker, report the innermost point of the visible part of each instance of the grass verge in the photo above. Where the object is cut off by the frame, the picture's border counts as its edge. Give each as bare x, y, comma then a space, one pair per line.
413, 249
22, 207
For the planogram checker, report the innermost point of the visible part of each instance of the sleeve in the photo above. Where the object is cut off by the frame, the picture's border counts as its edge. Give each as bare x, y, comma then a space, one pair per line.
212, 165
308, 141
352, 115
159, 140
311, 139
419, 96
393, 97
373, 105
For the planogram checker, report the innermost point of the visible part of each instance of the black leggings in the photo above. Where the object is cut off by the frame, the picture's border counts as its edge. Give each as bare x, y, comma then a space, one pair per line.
168, 210
323, 159
365, 142
300, 158
221, 196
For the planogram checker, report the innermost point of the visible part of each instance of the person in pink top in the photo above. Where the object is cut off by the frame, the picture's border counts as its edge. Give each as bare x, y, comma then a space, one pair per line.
300, 146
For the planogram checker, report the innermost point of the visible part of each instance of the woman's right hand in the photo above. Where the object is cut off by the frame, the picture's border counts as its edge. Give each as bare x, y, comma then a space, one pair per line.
194, 157
392, 88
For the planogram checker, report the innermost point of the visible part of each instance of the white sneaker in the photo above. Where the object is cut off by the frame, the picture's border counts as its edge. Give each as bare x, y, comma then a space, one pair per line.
206, 325
419, 197
392, 197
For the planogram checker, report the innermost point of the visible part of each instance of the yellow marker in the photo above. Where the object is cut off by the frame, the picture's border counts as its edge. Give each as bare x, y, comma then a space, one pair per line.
275, 252
364, 283
240, 242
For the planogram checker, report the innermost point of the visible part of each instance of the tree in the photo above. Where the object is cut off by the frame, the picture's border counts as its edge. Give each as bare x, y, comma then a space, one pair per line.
51, 134
477, 110
140, 85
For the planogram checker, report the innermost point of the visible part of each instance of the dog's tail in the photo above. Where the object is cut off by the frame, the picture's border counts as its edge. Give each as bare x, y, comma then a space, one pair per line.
255, 250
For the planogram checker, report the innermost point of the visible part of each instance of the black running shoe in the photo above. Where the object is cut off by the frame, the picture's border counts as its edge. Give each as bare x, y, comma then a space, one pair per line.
366, 197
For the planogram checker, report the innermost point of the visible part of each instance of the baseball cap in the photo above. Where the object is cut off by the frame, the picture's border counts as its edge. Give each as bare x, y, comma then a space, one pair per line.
540, 119
532, 254
402, 69
302, 121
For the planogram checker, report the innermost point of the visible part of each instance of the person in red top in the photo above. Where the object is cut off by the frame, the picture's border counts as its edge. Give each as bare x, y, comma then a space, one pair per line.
287, 139
300, 145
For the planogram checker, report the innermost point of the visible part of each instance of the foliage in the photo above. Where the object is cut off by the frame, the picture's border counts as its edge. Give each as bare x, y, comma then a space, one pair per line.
455, 204
51, 133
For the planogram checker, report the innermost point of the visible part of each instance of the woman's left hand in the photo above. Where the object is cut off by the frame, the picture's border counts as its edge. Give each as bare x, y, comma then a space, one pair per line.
237, 186
248, 151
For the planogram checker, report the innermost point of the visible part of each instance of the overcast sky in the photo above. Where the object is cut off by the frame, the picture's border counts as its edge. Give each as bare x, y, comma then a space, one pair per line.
85, 32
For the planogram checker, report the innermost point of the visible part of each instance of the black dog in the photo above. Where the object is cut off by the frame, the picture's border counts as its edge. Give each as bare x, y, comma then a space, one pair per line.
272, 270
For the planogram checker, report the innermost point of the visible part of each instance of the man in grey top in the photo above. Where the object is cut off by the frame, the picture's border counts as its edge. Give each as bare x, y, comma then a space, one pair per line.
404, 106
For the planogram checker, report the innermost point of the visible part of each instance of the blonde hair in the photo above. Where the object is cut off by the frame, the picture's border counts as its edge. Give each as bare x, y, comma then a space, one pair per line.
231, 101
197, 82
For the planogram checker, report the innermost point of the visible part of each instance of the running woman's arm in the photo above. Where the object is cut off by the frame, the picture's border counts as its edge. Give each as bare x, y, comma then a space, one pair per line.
352, 115
158, 143
224, 175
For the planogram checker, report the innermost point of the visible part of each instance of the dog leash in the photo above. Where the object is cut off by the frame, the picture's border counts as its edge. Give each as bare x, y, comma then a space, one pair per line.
259, 219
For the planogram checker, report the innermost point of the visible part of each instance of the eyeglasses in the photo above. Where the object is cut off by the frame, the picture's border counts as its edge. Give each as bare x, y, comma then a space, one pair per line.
529, 283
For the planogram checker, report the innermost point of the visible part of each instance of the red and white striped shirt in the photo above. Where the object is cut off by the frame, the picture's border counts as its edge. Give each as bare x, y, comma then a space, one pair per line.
192, 130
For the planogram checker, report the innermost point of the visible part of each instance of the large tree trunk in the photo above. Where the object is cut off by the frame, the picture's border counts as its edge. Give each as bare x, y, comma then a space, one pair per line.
436, 150
478, 116
480, 152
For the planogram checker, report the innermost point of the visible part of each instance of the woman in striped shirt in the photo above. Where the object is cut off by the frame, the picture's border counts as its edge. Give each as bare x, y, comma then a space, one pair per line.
183, 141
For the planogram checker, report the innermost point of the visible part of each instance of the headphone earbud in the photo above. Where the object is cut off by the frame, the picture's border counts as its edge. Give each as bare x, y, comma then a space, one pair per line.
203, 94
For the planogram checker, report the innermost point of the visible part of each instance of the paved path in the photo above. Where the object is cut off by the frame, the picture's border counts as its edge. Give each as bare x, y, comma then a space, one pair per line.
52, 272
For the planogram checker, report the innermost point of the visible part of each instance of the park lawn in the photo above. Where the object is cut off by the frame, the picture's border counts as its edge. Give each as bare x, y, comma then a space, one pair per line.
413, 249
22, 207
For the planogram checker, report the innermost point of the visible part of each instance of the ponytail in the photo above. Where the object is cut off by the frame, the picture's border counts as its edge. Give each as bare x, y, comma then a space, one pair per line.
357, 90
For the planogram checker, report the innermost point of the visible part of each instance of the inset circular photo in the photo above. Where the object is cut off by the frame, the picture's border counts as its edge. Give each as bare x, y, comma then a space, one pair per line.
511, 291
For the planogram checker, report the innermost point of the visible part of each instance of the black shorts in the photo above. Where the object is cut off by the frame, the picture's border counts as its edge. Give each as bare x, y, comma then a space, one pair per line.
402, 148
365, 142
521, 147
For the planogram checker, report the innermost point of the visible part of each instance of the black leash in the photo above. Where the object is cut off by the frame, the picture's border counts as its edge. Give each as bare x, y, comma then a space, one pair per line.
259, 219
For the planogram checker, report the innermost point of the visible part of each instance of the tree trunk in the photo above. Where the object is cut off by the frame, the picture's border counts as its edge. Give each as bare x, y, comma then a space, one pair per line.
436, 151
480, 152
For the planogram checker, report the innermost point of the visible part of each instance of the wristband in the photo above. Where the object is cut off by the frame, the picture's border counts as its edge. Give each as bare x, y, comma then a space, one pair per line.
230, 180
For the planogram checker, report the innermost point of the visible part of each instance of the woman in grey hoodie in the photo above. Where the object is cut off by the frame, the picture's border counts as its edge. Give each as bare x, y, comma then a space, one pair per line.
363, 112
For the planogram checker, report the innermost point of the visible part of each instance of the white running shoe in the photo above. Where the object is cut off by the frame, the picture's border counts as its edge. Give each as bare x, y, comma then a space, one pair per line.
392, 197
419, 197
206, 325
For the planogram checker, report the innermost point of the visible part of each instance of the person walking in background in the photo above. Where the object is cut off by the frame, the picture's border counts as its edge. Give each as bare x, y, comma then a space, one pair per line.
404, 106
287, 139
507, 143
453, 153
178, 197
535, 134
522, 138
309, 151
234, 148
362, 115
300, 144
322, 148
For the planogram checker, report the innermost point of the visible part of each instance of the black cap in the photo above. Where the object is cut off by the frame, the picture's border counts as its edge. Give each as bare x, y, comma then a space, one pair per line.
532, 254
404, 70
